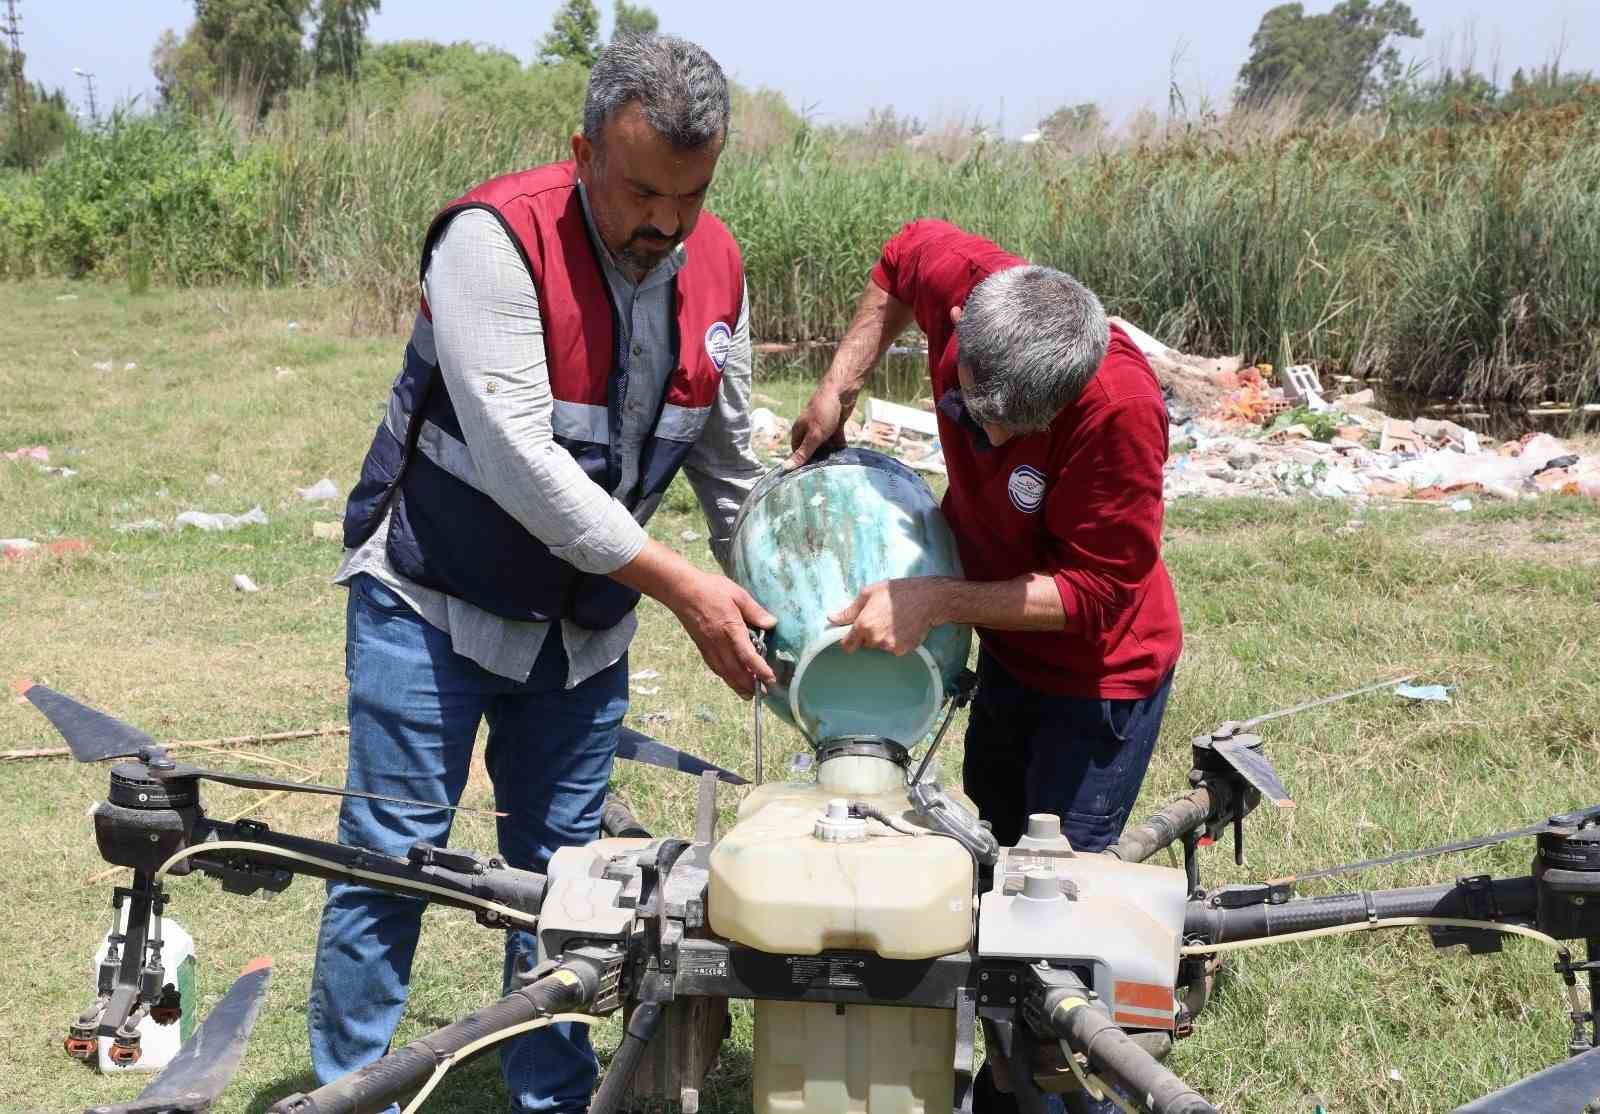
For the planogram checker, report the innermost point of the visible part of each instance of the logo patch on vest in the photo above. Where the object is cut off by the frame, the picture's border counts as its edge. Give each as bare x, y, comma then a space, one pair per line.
1026, 488
719, 342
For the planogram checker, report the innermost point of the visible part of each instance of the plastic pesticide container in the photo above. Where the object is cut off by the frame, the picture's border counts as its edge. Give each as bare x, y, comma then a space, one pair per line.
805, 543
158, 1043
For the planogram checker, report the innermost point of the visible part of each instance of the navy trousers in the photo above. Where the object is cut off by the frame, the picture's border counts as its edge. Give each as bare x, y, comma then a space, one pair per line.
1082, 759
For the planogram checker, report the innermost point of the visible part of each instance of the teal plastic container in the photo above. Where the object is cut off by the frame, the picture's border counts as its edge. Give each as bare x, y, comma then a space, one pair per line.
805, 543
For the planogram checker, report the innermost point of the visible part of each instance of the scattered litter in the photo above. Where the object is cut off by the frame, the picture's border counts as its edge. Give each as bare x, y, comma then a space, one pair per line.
654, 717
1394, 1074
243, 583
1437, 694
643, 690
1461, 506
17, 548
64, 472
644, 675
769, 433
213, 479
283, 372
39, 453
66, 297
206, 520
130, 366
319, 492
143, 525
103, 365
689, 536
328, 531
294, 325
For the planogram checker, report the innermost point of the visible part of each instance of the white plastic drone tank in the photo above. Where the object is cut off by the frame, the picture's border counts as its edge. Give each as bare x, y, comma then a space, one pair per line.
158, 1043
775, 885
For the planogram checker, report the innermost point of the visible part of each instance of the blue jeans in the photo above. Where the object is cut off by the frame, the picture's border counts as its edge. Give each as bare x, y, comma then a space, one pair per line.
1082, 759
415, 707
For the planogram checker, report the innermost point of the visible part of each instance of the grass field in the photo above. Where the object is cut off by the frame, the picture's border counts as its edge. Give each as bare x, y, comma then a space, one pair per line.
240, 397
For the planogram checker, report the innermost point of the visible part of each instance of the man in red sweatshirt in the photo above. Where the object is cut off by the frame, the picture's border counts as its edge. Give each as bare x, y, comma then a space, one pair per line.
1054, 433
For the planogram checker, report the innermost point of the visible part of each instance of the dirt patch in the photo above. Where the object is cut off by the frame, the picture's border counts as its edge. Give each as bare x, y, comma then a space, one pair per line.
1570, 544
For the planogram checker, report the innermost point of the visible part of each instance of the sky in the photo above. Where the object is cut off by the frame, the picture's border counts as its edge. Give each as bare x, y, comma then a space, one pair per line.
1007, 63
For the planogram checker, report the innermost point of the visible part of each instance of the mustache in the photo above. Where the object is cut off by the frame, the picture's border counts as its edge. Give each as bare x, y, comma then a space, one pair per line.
650, 232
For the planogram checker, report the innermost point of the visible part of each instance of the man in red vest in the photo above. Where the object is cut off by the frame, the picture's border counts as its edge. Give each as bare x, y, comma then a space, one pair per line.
1054, 433
582, 338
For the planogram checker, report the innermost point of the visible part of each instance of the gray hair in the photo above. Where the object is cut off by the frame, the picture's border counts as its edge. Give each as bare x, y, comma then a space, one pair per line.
1032, 337
680, 87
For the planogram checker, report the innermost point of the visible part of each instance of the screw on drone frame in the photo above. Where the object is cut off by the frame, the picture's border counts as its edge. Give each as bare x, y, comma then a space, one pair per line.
966, 689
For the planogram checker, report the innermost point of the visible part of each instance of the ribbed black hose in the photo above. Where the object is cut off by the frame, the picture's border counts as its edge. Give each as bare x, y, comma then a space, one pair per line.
625, 1064
1115, 1057
1183, 815
374, 1087
617, 819
1513, 898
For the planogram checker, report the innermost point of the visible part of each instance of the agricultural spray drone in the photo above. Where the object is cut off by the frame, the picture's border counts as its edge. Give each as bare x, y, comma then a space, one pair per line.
1081, 969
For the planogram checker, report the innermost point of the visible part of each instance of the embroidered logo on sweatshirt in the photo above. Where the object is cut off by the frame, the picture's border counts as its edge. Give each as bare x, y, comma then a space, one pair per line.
1026, 488
719, 342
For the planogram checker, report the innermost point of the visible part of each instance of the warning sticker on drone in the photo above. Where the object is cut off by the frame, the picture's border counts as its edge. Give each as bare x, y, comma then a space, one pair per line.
827, 970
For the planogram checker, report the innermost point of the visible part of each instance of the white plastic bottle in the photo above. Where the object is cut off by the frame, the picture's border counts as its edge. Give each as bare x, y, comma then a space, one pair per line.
158, 1042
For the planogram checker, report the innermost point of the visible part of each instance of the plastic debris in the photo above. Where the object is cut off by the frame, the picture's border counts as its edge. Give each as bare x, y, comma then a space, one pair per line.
143, 525
39, 453
319, 492
66, 297
1461, 505
689, 536
769, 433
206, 520
328, 531
1437, 694
243, 583
644, 675
644, 690
103, 365
15, 548
64, 472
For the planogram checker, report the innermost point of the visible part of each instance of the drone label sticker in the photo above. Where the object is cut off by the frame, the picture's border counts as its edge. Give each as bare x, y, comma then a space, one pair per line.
1026, 488
719, 342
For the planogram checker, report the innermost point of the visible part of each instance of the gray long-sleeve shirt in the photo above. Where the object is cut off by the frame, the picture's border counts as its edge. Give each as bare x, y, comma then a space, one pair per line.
490, 350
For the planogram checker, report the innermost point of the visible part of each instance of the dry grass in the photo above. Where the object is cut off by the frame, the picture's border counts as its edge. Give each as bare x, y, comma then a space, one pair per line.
1278, 609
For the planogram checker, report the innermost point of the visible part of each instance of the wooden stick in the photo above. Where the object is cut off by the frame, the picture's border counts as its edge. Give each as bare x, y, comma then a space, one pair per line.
224, 741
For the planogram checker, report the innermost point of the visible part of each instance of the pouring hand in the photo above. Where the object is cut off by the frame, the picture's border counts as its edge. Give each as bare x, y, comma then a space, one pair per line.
820, 423
718, 615
893, 615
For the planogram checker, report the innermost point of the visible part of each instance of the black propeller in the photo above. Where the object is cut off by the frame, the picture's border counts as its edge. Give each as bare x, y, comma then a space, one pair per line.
206, 1063
93, 736
1565, 824
1569, 1087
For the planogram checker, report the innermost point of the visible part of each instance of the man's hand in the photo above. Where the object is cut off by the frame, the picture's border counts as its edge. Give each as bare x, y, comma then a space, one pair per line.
894, 615
820, 423
718, 613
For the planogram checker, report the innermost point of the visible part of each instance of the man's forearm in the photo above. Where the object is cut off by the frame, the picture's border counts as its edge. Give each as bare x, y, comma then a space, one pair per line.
880, 318
1029, 602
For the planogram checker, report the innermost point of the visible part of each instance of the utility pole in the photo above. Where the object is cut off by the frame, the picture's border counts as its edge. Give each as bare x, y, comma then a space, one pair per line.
19, 103
88, 79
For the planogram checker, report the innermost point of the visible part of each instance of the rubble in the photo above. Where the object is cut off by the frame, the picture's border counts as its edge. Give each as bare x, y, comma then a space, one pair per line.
1233, 433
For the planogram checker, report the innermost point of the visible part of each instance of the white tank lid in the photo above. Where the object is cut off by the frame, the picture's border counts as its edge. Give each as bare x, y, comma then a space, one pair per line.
836, 825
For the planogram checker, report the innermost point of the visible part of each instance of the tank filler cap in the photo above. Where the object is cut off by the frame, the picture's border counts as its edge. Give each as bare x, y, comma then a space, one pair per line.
1044, 834
1041, 885
836, 825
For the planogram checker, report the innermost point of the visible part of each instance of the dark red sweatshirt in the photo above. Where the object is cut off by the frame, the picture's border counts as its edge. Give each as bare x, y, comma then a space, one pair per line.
1080, 501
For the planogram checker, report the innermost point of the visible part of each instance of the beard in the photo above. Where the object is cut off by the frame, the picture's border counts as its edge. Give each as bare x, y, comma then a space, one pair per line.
646, 247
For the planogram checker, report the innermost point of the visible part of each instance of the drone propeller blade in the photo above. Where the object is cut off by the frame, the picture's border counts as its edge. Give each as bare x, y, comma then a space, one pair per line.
1565, 822
642, 748
249, 781
1567, 1088
1243, 753
206, 1063
91, 735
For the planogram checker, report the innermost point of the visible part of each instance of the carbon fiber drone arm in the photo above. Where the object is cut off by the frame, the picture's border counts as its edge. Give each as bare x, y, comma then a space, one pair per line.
1215, 920
250, 857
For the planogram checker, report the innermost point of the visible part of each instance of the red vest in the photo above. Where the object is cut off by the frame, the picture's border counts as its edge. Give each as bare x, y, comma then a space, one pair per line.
447, 534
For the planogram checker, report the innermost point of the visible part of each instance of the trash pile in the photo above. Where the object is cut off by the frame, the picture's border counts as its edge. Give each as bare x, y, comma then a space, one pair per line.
1234, 433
